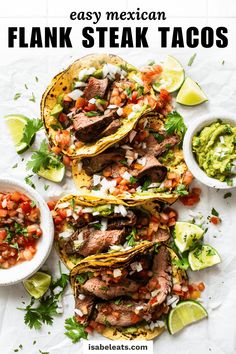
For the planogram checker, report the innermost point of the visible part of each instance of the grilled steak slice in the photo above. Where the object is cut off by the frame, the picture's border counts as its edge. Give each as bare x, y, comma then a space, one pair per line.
95, 87
156, 149
98, 163
87, 128
162, 274
118, 222
152, 168
112, 128
161, 235
100, 289
84, 304
125, 314
93, 241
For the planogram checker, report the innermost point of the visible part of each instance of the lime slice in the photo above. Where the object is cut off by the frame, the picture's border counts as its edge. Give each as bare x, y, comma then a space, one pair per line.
191, 93
38, 284
172, 76
16, 124
52, 174
185, 313
186, 234
203, 257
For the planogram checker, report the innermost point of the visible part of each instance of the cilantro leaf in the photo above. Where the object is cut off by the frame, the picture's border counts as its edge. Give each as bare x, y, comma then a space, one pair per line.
146, 184
181, 190
31, 128
130, 239
32, 98
92, 114
29, 182
133, 180
191, 60
74, 330
43, 158
227, 195
17, 95
175, 124
214, 212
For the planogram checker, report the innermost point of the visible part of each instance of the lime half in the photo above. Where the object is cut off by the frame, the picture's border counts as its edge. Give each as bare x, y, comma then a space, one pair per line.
191, 94
185, 313
186, 234
203, 257
172, 76
38, 284
16, 124
53, 174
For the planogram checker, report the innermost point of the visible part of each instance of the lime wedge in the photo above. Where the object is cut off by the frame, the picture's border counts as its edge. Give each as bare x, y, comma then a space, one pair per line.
16, 124
38, 284
185, 313
52, 174
172, 76
203, 257
191, 94
185, 234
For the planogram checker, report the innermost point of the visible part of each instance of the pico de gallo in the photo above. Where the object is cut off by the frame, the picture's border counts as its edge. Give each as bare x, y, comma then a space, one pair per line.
19, 228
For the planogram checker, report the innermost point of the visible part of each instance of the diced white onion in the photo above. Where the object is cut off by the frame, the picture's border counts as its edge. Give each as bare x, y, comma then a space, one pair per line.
132, 115
75, 94
222, 139
155, 292
142, 161
136, 108
104, 224
95, 213
80, 84
80, 166
63, 205
126, 176
120, 209
81, 296
112, 106
126, 147
4, 203
86, 72
79, 312
119, 111
88, 210
117, 273
96, 180
132, 135
92, 100
69, 212
66, 234
137, 79
136, 266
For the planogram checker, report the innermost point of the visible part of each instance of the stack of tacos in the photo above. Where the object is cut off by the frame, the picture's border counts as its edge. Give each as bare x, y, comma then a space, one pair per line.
114, 234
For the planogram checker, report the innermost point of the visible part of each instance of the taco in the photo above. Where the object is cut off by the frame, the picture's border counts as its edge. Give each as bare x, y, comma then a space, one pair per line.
84, 229
147, 164
92, 104
127, 296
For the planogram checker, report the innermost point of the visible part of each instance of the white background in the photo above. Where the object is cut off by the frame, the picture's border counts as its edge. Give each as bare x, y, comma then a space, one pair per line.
20, 66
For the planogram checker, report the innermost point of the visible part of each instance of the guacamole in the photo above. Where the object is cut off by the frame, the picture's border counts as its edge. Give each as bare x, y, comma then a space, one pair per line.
215, 150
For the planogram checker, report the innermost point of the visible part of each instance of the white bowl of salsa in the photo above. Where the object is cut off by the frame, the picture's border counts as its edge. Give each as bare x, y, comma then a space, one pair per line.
201, 161
26, 231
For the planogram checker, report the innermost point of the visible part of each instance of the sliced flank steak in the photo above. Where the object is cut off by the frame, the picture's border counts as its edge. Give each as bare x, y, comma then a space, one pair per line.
98, 163
96, 87
84, 306
156, 149
152, 168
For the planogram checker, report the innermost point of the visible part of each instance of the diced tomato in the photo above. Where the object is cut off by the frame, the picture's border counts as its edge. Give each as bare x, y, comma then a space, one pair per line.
89, 329
201, 286
90, 107
11, 205
195, 294
56, 150
66, 160
3, 234
192, 198
15, 196
215, 220
135, 318
51, 204
165, 95
26, 207
62, 213
24, 198
3, 213
57, 220
62, 117
80, 102
134, 97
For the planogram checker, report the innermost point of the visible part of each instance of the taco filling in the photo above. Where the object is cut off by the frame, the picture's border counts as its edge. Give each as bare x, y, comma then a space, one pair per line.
149, 160
83, 231
133, 294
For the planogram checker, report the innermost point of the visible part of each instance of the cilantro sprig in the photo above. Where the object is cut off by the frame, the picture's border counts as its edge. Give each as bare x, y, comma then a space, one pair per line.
43, 158
175, 124
74, 330
31, 128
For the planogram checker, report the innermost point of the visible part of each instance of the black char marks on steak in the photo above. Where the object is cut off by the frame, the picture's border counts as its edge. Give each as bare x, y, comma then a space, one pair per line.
116, 221
85, 304
156, 149
152, 168
111, 129
98, 163
162, 272
93, 241
100, 289
87, 128
95, 87
125, 314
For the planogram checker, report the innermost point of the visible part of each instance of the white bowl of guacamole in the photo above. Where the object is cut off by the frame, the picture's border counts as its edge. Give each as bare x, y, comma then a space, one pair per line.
210, 150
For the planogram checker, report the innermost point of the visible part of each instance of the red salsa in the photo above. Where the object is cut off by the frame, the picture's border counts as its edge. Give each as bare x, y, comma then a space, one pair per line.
19, 228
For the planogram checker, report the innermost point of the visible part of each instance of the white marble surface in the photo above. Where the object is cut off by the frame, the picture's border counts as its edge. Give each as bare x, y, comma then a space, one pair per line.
18, 67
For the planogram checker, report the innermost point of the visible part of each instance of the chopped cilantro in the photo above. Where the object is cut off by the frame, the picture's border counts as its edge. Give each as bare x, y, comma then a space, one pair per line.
92, 114
29, 182
36, 79
97, 226
214, 212
130, 239
158, 137
191, 60
128, 92
15, 166
181, 190
229, 182
181, 263
104, 288
17, 95
30, 129
175, 124
82, 278
227, 195
133, 180
146, 184
32, 98
26, 87
46, 186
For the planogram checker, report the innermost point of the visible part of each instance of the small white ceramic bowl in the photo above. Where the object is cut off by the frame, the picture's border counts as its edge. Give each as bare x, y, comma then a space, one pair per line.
23, 270
194, 127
